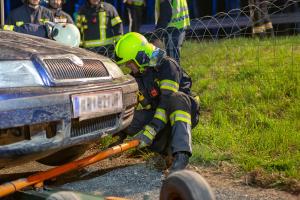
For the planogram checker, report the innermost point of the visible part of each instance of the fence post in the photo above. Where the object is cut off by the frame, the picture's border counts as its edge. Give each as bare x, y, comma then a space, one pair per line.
2, 12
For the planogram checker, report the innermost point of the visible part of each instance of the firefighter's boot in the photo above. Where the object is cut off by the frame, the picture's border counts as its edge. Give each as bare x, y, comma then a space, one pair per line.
181, 160
181, 143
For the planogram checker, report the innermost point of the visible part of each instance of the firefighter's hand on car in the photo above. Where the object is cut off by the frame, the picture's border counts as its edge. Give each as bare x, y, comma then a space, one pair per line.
145, 138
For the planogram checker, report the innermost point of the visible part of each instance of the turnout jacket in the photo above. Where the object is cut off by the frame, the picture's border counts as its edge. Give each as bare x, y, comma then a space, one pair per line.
158, 84
26, 14
99, 25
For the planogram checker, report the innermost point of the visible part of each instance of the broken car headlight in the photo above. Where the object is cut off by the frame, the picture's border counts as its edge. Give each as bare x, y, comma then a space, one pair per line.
19, 73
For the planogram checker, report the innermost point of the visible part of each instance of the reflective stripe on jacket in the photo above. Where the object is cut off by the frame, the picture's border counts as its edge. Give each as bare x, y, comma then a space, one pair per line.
138, 2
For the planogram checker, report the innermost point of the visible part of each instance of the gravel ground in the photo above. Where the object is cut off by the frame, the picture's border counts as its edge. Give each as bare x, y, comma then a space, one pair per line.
134, 182
133, 179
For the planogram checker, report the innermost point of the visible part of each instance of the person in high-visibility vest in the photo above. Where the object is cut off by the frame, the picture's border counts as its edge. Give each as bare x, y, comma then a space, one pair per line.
172, 19
100, 27
262, 24
30, 12
135, 14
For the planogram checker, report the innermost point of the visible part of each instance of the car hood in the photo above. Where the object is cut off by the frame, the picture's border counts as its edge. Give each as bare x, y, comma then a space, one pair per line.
17, 46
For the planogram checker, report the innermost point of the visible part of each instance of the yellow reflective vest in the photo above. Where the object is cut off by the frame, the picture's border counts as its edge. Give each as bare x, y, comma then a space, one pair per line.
180, 13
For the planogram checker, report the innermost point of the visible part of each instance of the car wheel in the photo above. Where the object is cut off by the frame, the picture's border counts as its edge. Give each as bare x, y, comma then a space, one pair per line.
186, 185
64, 156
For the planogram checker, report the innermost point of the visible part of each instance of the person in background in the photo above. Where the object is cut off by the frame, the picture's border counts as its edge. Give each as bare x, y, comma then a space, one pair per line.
135, 14
59, 15
172, 19
262, 24
30, 12
100, 27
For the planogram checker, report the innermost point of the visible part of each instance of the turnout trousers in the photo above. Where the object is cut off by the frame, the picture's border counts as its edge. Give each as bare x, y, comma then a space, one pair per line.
176, 135
262, 23
173, 39
135, 15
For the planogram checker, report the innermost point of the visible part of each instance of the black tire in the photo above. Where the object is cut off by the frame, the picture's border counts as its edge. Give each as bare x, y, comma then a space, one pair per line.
64, 156
186, 185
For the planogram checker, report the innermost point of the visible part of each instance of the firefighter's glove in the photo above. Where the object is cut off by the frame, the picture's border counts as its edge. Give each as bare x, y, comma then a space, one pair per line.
145, 136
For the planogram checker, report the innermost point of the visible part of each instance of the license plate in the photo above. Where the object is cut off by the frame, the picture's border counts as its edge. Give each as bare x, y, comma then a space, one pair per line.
97, 104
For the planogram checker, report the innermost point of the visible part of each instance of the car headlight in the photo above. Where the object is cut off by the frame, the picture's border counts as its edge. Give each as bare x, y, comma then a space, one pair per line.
21, 73
113, 69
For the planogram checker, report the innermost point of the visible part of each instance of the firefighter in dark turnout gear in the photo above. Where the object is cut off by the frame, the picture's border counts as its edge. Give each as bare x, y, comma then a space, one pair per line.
168, 110
59, 15
100, 26
30, 12
172, 18
262, 24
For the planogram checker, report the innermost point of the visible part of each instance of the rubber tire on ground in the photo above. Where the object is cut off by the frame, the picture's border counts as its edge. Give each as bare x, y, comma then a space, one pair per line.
186, 185
64, 156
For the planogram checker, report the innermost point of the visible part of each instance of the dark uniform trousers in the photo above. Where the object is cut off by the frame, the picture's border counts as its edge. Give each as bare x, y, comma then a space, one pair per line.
173, 40
135, 15
171, 139
262, 24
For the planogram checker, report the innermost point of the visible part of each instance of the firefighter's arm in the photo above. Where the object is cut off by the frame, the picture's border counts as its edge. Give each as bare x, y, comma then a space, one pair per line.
81, 23
116, 24
30, 29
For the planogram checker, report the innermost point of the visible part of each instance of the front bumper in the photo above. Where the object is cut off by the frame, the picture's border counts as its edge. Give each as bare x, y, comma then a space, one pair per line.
39, 107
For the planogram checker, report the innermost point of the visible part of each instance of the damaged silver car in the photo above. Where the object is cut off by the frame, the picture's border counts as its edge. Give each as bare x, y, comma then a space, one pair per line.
56, 100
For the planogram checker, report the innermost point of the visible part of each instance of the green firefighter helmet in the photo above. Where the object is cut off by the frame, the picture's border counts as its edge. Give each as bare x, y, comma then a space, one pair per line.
134, 46
67, 34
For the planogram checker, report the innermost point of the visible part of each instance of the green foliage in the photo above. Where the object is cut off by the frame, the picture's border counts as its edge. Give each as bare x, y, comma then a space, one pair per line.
250, 102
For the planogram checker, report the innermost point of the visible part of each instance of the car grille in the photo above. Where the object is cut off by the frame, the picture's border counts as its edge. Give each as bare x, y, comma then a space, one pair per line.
99, 124
64, 69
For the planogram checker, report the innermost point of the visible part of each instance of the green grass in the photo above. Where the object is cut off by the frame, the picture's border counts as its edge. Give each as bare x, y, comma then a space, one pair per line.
250, 103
